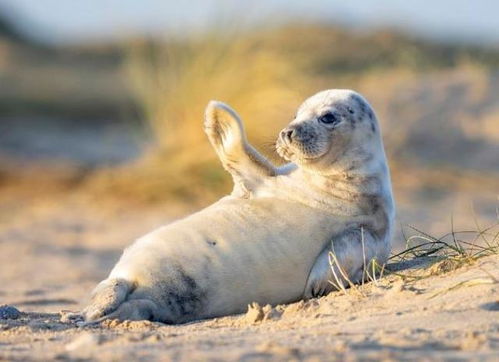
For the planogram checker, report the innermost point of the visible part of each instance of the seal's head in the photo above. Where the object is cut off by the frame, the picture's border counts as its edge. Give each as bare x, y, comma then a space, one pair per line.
334, 128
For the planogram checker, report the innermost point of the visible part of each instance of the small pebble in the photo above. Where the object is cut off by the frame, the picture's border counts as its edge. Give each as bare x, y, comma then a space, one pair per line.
9, 312
254, 314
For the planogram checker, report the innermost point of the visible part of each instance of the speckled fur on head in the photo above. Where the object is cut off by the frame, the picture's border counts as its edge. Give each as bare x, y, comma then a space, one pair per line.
312, 140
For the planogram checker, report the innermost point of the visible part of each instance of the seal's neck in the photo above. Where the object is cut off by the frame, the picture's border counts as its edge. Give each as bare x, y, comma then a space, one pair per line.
357, 162
359, 187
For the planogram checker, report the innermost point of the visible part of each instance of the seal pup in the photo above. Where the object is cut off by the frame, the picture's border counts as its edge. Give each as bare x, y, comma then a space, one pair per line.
269, 241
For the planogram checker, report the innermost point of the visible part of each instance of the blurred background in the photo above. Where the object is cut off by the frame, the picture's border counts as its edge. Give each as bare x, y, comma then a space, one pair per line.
101, 106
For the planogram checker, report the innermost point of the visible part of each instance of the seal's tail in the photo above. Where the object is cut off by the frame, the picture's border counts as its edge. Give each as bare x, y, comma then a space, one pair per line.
106, 298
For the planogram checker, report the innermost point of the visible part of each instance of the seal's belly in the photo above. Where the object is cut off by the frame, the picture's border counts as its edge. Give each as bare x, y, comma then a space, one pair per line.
235, 251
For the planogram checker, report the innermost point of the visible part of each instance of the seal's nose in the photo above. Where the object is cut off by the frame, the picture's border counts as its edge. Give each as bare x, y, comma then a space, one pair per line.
287, 134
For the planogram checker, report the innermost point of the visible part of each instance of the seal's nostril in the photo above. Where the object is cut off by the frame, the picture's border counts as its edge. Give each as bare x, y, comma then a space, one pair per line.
287, 135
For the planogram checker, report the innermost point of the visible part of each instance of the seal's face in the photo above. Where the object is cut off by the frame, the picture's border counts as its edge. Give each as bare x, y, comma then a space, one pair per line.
326, 125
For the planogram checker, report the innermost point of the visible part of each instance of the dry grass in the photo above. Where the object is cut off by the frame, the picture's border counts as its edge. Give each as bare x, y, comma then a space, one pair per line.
174, 82
450, 251
431, 255
425, 256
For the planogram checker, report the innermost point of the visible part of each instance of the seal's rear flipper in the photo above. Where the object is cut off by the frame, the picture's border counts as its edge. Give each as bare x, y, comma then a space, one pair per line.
106, 298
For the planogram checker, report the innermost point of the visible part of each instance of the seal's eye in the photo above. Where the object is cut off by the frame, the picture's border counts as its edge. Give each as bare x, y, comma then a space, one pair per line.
329, 119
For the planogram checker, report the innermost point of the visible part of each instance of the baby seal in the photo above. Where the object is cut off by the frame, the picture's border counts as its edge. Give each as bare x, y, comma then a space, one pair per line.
269, 241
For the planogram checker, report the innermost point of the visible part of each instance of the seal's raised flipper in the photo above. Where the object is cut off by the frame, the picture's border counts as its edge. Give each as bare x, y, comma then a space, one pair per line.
353, 251
226, 133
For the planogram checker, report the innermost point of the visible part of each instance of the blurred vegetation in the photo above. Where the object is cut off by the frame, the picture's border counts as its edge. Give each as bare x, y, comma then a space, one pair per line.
264, 74
86, 81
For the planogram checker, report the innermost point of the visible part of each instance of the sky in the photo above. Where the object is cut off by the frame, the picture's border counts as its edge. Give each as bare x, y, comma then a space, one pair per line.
69, 21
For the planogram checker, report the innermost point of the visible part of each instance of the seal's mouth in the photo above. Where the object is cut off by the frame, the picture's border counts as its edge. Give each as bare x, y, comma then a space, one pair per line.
299, 151
284, 151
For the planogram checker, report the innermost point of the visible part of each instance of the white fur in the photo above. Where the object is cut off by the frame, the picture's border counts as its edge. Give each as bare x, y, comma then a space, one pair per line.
268, 242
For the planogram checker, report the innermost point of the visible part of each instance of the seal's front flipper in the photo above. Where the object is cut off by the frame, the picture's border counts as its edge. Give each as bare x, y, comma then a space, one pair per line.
225, 131
319, 282
345, 260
